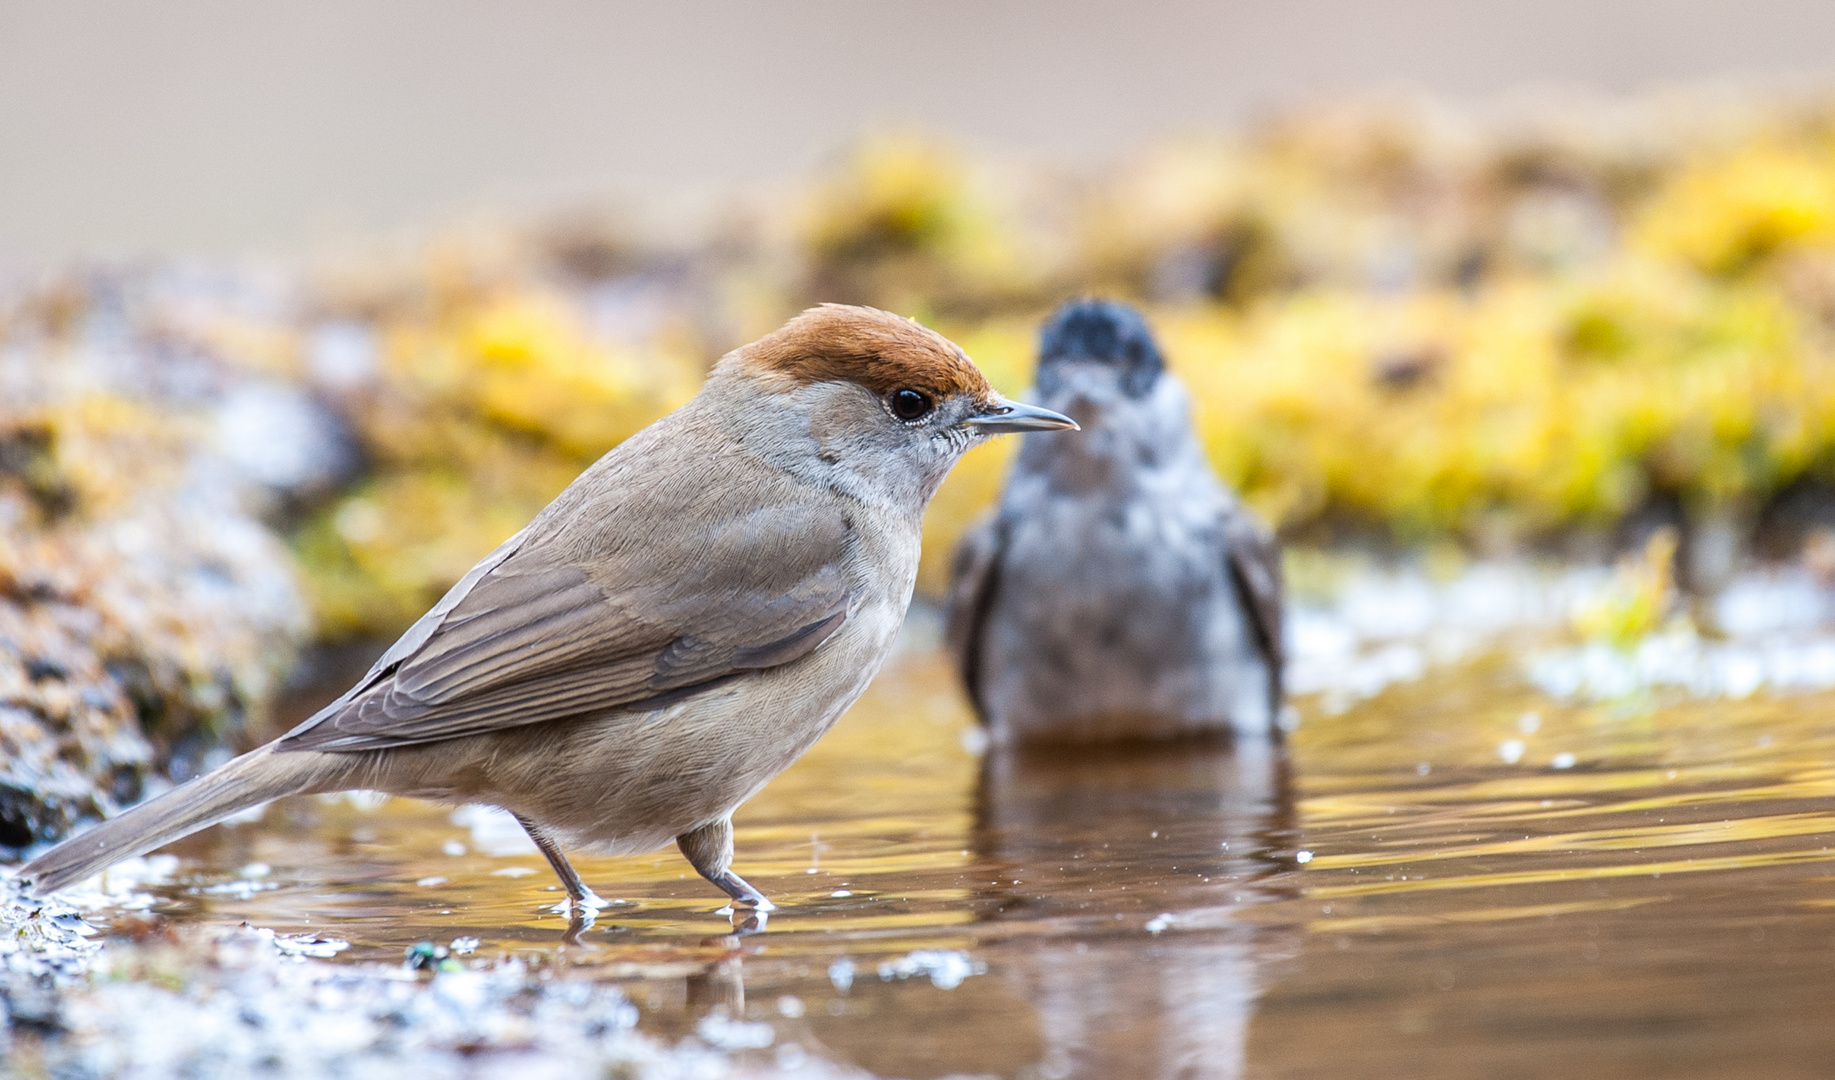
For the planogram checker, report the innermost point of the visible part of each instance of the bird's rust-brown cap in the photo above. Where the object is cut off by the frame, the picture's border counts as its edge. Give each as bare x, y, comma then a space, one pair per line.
875, 349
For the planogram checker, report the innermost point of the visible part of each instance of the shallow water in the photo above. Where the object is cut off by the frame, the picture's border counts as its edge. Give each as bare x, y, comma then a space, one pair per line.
1457, 877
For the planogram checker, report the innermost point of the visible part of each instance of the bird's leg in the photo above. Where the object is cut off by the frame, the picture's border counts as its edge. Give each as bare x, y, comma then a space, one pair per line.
709, 849
577, 893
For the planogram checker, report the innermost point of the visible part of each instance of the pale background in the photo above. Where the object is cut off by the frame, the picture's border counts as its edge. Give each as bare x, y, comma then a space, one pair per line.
229, 126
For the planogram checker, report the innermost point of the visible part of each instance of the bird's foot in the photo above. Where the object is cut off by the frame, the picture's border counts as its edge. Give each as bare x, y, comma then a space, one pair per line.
589, 902
742, 892
581, 912
750, 910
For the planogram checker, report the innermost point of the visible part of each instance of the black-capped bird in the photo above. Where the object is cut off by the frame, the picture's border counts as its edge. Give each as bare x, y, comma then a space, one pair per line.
1119, 591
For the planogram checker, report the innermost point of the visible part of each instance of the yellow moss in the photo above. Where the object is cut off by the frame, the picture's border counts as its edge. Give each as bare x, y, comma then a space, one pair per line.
1731, 212
907, 225
487, 407
532, 368
898, 191
102, 451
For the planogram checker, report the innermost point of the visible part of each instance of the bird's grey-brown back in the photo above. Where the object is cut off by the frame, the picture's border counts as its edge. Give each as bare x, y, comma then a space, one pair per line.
1119, 590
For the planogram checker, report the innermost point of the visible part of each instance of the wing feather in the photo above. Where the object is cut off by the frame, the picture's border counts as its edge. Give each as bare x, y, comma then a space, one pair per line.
974, 575
578, 628
1254, 558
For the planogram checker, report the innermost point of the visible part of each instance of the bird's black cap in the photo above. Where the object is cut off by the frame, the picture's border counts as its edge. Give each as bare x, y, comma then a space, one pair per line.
1105, 331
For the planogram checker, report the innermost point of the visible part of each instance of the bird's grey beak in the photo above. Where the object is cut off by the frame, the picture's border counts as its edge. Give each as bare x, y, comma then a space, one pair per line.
1008, 417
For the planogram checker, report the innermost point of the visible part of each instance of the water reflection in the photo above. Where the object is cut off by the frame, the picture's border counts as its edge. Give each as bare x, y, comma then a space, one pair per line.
1175, 840
1660, 906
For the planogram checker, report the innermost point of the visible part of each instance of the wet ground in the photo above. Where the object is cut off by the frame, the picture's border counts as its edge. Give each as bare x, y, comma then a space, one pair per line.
1457, 877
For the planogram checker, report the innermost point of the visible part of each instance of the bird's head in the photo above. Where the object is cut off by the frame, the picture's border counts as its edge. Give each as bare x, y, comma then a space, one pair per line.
882, 403
1092, 353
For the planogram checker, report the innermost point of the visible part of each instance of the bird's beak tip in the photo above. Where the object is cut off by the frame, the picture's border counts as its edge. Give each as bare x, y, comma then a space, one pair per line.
1010, 417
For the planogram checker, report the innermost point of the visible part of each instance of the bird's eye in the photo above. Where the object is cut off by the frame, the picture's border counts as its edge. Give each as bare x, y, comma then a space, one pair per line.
908, 404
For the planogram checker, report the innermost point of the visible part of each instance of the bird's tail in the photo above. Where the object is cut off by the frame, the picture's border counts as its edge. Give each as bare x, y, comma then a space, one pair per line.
253, 778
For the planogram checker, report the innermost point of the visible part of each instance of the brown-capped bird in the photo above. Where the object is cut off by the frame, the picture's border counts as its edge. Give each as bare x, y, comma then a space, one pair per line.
674, 630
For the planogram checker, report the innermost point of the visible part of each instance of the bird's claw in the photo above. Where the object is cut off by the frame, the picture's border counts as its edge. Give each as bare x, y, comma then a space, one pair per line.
596, 902
589, 904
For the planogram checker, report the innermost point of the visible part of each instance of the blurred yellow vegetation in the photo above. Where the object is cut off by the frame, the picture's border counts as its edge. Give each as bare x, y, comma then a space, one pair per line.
1730, 212
483, 410
1552, 403
906, 225
92, 454
1641, 598
1389, 320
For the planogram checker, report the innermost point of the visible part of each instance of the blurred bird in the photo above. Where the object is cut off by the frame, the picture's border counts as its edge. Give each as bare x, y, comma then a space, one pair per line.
1119, 591
673, 631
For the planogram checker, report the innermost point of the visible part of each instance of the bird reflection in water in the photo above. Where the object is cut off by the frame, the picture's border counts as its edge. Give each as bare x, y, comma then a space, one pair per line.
1139, 861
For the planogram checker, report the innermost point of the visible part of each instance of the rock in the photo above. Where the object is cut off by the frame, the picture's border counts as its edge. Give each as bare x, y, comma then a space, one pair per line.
147, 616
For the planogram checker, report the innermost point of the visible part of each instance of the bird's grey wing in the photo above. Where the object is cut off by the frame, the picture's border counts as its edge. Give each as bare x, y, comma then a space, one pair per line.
973, 575
1254, 558
424, 627
539, 638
